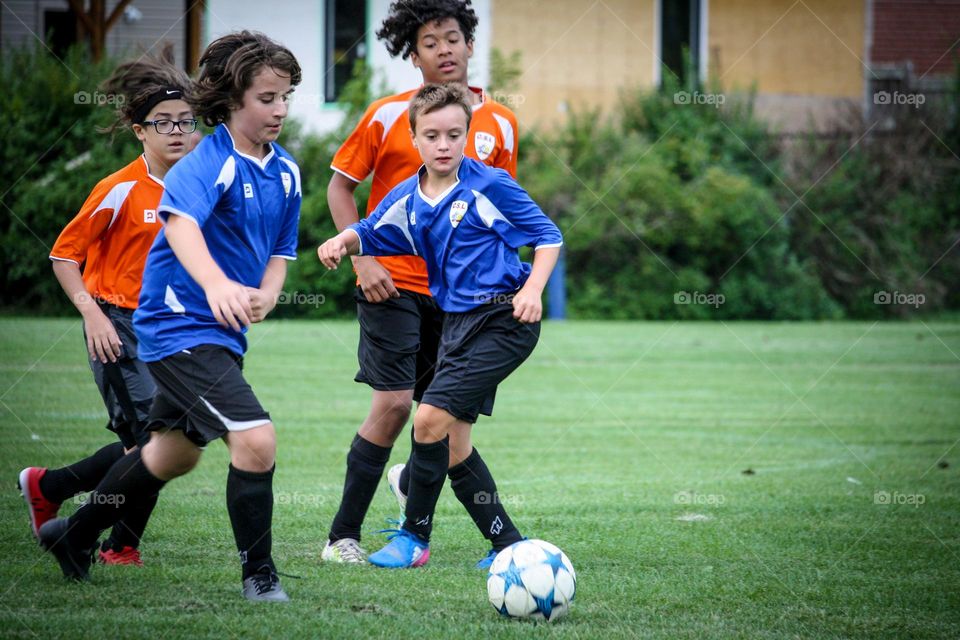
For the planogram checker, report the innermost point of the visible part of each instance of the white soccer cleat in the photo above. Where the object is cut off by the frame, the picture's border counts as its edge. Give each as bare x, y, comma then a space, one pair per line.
344, 551
393, 479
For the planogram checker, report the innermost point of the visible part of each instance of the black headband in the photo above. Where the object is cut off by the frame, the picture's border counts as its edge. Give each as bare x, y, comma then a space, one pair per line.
167, 93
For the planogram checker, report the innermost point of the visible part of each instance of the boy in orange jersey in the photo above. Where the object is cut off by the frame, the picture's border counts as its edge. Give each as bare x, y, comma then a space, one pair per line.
110, 238
400, 324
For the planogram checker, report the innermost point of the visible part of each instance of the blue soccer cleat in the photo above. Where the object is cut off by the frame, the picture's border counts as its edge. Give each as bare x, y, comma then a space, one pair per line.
405, 550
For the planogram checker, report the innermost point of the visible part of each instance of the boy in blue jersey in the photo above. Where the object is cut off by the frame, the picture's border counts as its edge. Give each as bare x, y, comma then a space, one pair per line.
467, 221
230, 209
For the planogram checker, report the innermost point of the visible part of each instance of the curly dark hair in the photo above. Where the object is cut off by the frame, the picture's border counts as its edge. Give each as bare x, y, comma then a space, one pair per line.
133, 83
227, 68
399, 29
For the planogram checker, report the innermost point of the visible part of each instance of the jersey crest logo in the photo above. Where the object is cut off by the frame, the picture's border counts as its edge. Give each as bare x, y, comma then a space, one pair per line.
457, 210
247, 190
149, 216
285, 177
484, 144
413, 218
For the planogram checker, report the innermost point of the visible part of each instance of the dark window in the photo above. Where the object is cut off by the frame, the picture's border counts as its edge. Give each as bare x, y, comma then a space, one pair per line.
60, 30
345, 42
680, 35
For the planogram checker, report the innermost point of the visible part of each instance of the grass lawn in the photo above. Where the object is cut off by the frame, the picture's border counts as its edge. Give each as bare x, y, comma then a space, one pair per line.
707, 480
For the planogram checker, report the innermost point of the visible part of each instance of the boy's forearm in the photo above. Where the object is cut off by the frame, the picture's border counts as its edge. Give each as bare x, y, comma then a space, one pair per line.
351, 241
69, 276
191, 250
274, 276
343, 207
544, 260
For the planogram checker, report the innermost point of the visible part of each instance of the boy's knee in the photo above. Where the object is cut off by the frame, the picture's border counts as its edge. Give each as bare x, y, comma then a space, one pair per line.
169, 455
254, 450
431, 424
393, 416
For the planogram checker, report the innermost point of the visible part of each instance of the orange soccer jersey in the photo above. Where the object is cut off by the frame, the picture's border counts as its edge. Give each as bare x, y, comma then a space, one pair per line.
113, 232
381, 145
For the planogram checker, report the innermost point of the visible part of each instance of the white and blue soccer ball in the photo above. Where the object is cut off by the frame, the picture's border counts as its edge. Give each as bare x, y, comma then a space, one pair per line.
531, 579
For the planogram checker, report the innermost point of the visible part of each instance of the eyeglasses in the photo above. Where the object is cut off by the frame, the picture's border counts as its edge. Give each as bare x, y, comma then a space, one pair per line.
165, 127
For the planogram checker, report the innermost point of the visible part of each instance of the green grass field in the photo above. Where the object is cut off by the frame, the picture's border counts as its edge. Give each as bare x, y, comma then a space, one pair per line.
707, 480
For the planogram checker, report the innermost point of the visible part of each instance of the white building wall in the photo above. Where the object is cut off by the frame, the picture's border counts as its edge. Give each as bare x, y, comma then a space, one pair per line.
299, 25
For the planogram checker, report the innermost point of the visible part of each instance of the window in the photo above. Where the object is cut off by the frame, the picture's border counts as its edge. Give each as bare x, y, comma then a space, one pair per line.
346, 27
680, 35
60, 29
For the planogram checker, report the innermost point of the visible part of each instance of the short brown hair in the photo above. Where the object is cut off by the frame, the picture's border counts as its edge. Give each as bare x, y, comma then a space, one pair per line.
228, 66
433, 97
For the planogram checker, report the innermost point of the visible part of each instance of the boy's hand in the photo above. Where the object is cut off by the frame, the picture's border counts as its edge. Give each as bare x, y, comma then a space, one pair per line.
103, 343
230, 303
331, 251
527, 306
261, 303
374, 279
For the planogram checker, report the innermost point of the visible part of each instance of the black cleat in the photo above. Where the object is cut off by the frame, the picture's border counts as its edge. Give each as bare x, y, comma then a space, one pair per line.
74, 561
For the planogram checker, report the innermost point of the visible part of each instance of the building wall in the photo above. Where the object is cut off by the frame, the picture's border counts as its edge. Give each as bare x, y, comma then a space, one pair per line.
159, 22
918, 32
812, 48
575, 53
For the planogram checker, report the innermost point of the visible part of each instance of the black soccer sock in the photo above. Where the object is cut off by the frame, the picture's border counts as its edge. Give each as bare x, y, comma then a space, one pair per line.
404, 480
405, 476
475, 488
129, 531
250, 504
365, 464
127, 483
428, 468
57, 485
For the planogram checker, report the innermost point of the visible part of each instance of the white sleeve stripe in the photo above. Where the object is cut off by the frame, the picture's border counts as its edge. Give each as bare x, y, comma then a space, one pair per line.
507, 130
114, 200
387, 115
53, 257
183, 214
548, 246
397, 216
280, 255
227, 173
345, 174
359, 240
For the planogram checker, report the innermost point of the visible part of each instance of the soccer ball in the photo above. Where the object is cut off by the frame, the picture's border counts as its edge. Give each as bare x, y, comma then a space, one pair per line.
531, 579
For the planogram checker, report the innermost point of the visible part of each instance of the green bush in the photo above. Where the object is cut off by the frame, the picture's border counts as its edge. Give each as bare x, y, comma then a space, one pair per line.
668, 200
51, 159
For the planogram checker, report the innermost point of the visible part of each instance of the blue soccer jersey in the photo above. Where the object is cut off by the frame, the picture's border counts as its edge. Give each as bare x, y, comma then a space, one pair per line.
468, 236
247, 209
